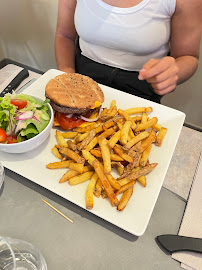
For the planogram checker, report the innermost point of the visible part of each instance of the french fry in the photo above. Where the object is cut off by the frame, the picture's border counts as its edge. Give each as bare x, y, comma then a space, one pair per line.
92, 144
125, 198
97, 153
88, 139
157, 126
144, 118
113, 182
86, 128
138, 110
125, 187
60, 139
136, 139
56, 152
114, 139
145, 170
80, 137
76, 167
71, 145
110, 193
108, 124
122, 154
69, 153
147, 124
127, 117
69, 135
69, 174
149, 140
98, 188
80, 178
105, 155
113, 104
145, 156
142, 180
89, 191
57, 165
87, 155
124, 181
106, 133
120, 170
160, 136
125, 131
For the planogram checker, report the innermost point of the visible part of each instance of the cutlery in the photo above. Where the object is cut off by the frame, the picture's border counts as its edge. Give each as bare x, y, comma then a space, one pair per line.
23, 74
173, 243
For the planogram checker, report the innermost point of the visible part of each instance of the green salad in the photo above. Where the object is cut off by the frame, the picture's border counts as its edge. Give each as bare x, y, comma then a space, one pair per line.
21, 117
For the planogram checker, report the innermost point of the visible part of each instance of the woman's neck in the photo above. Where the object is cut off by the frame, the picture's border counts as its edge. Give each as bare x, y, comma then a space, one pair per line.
122, 3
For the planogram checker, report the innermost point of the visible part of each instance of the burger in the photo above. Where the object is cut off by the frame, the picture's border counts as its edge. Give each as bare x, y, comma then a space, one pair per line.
74, 98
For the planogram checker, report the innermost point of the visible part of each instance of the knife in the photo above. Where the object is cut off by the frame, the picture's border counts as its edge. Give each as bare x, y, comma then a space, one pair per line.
173, 243
23, 74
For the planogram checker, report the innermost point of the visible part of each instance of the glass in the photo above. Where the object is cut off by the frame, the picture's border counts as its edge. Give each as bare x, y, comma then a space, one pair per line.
2, 175
17, 254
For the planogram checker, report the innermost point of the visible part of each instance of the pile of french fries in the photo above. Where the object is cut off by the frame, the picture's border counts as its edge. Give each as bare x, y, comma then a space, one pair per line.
120, 140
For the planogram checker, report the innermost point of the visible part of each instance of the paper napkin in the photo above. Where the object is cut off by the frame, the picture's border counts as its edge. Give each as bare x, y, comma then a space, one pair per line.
192, 222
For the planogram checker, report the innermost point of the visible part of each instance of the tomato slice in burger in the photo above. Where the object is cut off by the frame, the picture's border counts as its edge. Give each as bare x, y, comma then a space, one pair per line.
3, 135
68, 123
19, 103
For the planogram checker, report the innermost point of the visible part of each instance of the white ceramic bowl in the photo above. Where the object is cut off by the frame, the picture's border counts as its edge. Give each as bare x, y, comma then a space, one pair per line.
34, 142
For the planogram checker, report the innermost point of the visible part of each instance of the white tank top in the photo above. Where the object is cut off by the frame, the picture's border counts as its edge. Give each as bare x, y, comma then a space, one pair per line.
124, 37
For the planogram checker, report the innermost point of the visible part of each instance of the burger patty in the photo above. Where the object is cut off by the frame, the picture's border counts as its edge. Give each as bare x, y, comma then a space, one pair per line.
67, 110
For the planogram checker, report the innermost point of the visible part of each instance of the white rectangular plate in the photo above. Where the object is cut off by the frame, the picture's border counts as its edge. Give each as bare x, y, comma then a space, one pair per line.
135, 217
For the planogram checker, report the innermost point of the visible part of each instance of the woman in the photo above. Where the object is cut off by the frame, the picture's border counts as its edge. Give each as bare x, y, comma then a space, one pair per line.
125, 43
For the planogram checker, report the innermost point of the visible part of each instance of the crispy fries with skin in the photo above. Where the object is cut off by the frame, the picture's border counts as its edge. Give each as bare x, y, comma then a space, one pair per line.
69, 135
76, 167
138, 110
80, 178
118, 139
136, 139
60, 164
110, 193
125, 187
98, 188
125, 132
145, 170
56, 152
145, 156
147, 124
125, 198
142, 180
161, 135
60, 139
71, 154
122, 154
89, 191
148, 141
105, 155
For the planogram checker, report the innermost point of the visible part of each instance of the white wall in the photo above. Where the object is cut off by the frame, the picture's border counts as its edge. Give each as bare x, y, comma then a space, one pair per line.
27, 29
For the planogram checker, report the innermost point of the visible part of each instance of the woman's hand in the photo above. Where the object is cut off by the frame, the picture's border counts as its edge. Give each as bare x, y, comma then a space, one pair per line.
161, 74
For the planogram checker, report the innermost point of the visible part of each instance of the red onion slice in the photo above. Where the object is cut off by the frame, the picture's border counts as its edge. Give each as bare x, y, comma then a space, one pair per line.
24, 116
35, 118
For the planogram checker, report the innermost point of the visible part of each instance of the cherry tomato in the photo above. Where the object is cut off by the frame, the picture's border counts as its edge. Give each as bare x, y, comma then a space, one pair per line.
3, 135
19, 103
68, 123
12, 139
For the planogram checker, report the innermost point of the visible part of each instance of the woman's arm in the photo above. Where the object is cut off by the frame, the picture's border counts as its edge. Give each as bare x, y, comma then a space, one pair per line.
65, 36
186, 29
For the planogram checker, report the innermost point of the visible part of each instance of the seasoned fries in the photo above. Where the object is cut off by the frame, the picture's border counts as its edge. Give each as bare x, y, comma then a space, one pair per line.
121, 141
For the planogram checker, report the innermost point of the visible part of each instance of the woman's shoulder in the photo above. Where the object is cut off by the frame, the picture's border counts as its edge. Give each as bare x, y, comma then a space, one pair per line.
183, 5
